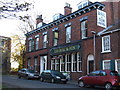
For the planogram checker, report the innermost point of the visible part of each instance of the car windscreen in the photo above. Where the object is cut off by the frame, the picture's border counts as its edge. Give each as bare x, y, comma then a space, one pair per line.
57, 73
114, 73
31, 71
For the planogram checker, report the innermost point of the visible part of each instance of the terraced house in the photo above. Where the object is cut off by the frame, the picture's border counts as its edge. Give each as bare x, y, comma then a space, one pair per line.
76, 42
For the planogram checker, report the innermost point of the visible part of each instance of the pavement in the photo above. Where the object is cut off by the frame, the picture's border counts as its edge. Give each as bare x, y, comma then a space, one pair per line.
72, 82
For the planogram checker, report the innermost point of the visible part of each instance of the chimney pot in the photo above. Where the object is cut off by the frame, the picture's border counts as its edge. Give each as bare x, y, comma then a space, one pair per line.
67, 9
39, 19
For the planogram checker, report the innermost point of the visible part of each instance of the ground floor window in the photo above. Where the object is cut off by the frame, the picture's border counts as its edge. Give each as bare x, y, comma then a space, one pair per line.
118, 65
62, 63
57, 64
36, 63
67, 63
79, 63
106, 64
53, 64
28, 63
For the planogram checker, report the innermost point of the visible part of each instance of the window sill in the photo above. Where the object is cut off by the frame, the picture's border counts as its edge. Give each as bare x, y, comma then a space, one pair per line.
104, 52
84, 38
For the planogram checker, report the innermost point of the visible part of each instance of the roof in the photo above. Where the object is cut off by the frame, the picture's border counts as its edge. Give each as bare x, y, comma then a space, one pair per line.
110, 29
79, 12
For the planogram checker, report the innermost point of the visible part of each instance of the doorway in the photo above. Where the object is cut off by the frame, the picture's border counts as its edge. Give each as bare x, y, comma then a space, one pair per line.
90, 64
43, 63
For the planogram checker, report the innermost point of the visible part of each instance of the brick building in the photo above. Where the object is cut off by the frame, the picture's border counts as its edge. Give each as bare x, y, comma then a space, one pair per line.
5, 52
72, 42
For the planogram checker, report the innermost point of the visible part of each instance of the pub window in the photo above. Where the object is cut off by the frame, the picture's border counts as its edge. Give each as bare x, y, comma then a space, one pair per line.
57, 64
68, 62
53, 64
62, 62
68, 34
55, 38
84, 29
74, 62
79, 62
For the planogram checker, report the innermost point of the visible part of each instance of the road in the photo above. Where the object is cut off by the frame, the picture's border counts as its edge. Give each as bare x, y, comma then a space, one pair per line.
14, 82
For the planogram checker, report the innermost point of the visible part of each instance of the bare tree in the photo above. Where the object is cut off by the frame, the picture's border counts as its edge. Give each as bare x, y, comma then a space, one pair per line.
8, 8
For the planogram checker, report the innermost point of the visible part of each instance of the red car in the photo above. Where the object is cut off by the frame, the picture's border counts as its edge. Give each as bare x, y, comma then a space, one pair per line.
106, 78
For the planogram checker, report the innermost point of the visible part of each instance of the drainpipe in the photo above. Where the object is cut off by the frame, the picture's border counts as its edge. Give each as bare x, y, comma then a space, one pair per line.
94, 46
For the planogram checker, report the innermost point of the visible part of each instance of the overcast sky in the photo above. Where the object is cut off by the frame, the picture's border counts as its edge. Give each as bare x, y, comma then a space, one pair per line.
47, 8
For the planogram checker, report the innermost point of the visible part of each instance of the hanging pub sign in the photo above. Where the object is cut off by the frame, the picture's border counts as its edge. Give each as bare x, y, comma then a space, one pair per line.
101, 18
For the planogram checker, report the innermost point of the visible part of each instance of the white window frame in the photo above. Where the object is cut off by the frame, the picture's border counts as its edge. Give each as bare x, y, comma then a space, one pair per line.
53, 64
84, 29
116, 65
45, 62
108, 44
67, 63
30, 45
104, 64
55, 41
73, 62
62, 63
45, 41
79, 62
57, 64
35, 63
68, 34
37, 43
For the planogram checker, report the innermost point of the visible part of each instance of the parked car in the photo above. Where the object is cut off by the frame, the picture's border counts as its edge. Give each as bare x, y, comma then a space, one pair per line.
53, 76
28, 74
106, 78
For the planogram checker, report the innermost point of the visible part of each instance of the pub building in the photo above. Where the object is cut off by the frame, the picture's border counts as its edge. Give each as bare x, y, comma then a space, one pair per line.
70, 42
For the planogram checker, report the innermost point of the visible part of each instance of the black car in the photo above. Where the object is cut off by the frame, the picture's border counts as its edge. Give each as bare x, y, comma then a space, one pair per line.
28, 74
53, 76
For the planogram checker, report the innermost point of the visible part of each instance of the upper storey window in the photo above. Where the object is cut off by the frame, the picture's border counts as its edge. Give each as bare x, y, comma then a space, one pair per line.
30, 44
55, 36
36, 42
106, 44
84, 28
44, 39
68, 32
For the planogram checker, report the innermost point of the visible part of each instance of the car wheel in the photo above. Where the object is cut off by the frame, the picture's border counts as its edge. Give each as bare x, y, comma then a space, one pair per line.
27, 77
41, 79
108, 86
52, 80
19, 76
81, 84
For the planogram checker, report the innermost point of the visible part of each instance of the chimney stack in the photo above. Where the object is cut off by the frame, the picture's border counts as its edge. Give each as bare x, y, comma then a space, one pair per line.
39, 19
67, 9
